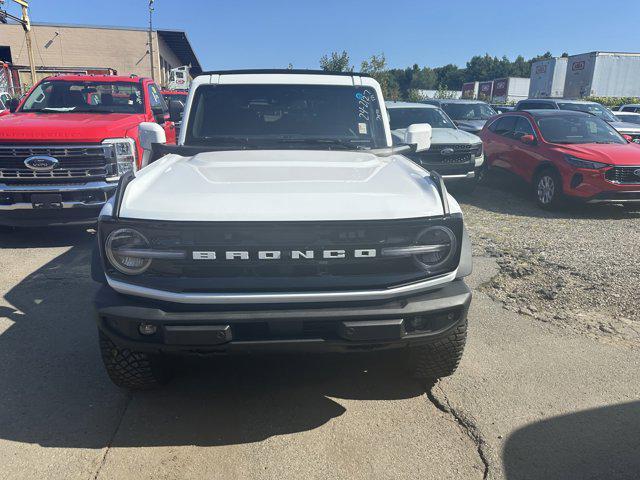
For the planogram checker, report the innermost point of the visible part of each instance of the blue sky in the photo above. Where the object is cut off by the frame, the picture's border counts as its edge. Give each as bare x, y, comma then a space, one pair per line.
270, 34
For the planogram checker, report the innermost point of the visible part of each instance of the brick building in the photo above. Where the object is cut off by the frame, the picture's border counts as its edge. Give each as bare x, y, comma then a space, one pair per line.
94, 49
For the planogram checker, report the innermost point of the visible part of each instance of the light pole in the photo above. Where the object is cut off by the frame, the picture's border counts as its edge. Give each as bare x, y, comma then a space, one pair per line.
26, 25
153, 76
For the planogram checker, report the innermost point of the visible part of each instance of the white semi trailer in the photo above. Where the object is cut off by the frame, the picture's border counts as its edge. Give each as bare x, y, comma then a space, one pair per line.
548, 77
603, 74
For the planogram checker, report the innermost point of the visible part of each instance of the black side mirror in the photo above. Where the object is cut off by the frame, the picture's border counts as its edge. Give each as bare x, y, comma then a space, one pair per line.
13, 104
176, 109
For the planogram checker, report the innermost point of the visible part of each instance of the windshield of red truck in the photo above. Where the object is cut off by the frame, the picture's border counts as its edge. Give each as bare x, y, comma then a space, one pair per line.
85, 97
319, 116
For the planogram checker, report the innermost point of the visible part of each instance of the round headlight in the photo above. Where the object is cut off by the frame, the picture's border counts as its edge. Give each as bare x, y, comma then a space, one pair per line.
116, 246
444, 243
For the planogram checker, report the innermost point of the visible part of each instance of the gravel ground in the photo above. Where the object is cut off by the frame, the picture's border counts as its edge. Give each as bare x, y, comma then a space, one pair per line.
578, 267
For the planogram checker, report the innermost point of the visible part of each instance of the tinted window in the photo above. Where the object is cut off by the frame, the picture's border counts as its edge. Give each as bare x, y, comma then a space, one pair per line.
523, 127
630, 109
629, 118
592, 108
76, 97
282, 114
403, 117
155, 99
175, 97
504, 126
535, 106
577, 129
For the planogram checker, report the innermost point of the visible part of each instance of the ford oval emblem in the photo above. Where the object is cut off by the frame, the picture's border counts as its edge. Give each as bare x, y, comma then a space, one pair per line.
636, 172
41, 163
447, 151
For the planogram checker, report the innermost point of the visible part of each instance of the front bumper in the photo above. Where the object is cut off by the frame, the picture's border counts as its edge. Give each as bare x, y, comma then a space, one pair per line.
616, 196
591, 186
454, 172
345, 326
53, 204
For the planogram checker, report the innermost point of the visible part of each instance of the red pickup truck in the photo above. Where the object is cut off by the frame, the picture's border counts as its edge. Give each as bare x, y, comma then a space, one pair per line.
67, 142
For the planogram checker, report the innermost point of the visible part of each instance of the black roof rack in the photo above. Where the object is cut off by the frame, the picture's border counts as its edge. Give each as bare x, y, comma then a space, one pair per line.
283, 71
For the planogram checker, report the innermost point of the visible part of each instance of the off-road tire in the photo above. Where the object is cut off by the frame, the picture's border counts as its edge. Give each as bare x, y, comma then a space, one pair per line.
439, 359
129, 369
547, 177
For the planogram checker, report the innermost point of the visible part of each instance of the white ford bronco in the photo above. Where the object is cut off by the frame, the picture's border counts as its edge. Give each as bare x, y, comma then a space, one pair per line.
284, 220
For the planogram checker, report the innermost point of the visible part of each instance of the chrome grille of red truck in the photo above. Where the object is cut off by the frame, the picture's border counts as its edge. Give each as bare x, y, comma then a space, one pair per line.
73, 161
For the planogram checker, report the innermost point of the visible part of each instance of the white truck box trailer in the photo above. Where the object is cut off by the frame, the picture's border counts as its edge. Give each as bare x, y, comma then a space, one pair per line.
470, 90
603, 74
485, 91
548, 77
510, 89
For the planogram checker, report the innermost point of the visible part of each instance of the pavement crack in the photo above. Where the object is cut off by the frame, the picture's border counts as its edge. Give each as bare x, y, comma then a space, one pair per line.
467, 425
103, 461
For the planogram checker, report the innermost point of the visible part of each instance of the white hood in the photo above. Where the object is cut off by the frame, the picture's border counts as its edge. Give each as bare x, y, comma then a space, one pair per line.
277, 185
444, 136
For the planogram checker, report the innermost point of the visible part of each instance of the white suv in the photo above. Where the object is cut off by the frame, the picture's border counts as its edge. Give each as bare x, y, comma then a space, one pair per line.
284, 220
455, 154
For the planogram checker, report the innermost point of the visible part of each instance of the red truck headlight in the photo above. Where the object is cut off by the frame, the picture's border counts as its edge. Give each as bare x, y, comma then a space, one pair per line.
123, 151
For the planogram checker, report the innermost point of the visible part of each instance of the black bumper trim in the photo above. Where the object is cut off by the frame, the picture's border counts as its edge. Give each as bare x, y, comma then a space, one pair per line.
337, 327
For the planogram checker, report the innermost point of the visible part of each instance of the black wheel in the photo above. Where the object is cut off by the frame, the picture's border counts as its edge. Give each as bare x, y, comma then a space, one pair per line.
548, 189
481, 174
439, 359
129, 369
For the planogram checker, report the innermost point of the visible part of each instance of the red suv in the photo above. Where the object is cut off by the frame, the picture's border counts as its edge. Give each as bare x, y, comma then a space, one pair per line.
565, 154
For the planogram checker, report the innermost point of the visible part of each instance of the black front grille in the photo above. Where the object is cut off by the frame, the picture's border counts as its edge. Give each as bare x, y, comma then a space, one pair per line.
624, 175
284, 274
448, 159
75, 162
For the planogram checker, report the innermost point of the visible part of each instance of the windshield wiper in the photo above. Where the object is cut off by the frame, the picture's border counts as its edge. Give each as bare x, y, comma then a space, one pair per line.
223, 139
347, 144
92, 110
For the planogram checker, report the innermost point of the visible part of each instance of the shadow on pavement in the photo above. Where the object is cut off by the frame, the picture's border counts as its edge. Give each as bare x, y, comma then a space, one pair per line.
603, 443
504, 193
54, 391
44, 237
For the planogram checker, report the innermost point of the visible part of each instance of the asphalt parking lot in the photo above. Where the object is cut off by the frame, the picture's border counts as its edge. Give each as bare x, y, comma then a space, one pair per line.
547, 389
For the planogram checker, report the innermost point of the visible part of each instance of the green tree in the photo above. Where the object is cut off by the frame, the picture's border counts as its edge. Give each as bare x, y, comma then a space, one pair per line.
337, 62
450, 75
376, 66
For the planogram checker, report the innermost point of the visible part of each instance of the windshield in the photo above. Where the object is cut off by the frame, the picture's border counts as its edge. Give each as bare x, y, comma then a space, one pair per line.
592, 108
175, 97
577, 129
628, 118
315, 116
468, 111
403, 117
78, 97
